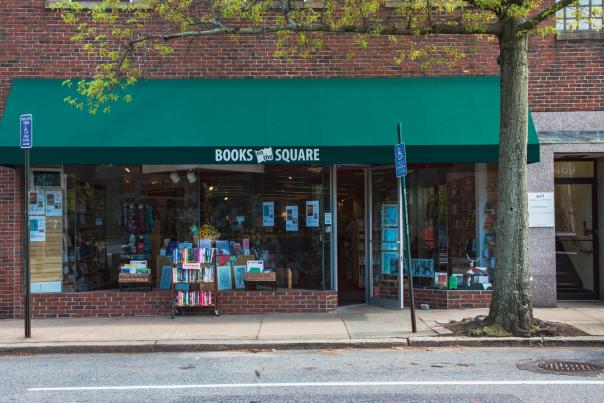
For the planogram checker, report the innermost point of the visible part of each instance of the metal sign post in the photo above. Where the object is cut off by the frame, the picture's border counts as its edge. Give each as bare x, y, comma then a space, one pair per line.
400, 158
25, 142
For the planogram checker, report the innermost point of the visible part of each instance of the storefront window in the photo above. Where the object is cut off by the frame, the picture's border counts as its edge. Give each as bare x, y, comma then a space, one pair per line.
99, 218
279, 213
454, 226
114, 215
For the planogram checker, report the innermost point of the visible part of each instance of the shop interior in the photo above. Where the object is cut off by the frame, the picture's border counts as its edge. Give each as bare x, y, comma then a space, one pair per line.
93, 220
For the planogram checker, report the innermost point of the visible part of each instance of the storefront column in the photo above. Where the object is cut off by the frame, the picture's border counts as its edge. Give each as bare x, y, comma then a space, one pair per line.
542, 241
600, 212
333, 201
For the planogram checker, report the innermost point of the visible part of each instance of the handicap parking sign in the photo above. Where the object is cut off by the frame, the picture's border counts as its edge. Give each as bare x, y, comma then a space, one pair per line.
400, 160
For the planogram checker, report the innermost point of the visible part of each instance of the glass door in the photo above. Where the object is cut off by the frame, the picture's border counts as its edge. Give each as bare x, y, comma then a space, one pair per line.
576, 239
382, 220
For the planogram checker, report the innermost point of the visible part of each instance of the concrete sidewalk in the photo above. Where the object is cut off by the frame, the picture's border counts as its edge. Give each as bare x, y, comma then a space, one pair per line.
349, 324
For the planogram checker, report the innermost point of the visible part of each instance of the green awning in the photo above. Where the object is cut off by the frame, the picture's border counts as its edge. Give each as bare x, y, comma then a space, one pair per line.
343, 120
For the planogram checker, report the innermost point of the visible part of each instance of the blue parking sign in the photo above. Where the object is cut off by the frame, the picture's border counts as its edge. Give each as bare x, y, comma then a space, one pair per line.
25, 131
400, 160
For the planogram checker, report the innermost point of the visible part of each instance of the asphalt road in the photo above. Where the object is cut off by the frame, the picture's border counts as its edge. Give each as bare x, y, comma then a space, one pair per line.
402, 374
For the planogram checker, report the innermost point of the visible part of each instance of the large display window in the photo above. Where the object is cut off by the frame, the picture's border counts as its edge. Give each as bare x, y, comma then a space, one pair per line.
92, 221
135, 216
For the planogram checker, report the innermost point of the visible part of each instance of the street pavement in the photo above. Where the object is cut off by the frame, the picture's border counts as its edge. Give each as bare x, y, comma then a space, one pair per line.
359, 322
398, 374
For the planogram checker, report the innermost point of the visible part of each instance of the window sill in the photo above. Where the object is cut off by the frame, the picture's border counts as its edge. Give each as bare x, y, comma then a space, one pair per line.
580, 36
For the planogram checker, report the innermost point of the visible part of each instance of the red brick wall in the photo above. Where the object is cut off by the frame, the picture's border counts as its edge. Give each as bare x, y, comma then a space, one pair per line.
289, 301
10, 242
565, 75
100, 304
437, 299
458, 299
157, 303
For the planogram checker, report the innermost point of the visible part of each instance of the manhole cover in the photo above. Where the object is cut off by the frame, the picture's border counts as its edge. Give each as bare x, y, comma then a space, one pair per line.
569, 366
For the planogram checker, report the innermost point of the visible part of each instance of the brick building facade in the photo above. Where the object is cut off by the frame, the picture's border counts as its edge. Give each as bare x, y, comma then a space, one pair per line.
566, 76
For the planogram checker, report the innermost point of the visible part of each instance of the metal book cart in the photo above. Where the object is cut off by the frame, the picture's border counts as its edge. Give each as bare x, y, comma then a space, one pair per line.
200, 291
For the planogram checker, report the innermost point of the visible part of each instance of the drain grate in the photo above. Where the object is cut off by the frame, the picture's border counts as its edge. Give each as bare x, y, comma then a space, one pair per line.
569, 366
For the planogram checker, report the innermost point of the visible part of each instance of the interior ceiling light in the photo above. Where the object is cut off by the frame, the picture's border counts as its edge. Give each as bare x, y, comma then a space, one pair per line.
226, 197
191, 177
211, 188
127, 169
174, 177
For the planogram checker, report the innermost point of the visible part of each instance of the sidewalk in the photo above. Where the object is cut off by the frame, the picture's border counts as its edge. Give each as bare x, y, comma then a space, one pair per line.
348, 325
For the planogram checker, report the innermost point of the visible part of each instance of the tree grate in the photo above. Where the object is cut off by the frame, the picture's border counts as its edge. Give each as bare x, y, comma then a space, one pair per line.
569, 366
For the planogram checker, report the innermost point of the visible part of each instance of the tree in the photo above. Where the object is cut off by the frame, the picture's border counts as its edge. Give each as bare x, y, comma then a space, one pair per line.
115, 33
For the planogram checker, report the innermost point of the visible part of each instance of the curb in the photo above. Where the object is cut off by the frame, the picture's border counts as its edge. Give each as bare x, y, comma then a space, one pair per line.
579, 341
171, 346
193, 346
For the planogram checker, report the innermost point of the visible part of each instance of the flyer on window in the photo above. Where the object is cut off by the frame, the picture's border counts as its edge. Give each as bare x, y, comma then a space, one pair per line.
291, 218
54, 203
37, 205
37, 229
268, 214
312, 213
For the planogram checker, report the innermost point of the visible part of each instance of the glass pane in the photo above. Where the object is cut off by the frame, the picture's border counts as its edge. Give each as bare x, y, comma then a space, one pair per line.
560, 25
385, 250
574, 169
46, 178
462, 221
119, 214
574, 237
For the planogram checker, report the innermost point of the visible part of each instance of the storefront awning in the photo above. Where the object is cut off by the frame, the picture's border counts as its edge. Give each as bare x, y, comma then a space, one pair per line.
207, 121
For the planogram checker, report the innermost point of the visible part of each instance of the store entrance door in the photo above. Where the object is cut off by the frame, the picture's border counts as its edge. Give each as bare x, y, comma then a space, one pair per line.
351, 235
383, 282
576, 239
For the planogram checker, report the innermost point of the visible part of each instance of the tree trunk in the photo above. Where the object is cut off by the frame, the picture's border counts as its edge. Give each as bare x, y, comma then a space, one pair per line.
511, 306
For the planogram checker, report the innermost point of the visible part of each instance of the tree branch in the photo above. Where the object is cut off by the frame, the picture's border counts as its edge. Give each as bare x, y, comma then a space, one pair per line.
537, 19
443, 29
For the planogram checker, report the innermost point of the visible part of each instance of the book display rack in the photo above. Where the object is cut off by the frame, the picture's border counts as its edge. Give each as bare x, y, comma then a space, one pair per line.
194, 280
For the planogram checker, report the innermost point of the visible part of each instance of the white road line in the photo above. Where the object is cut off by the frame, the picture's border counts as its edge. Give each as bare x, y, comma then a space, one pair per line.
314, 384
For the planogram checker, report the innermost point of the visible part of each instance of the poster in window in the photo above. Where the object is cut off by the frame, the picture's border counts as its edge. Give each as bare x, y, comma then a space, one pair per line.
420, 267
225, 279
268, 214
390, 239
255, 266
37, 202
390, 262
389, 215
54, 203
312, 213
291, 218
239, 272
37, 229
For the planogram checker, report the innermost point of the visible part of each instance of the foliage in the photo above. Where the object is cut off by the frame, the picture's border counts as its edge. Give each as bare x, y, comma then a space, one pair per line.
115, 33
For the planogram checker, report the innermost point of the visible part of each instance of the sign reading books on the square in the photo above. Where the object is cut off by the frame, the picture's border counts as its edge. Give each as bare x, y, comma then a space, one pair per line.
541, 209
263, 155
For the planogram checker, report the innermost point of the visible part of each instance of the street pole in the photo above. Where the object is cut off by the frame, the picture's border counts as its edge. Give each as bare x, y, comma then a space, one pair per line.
27, 302
25, 143
406, 245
